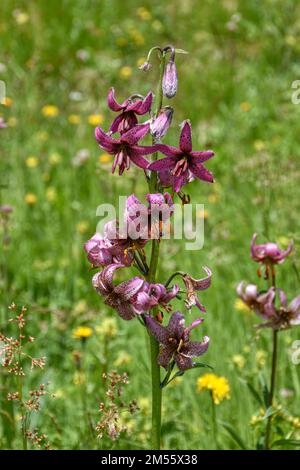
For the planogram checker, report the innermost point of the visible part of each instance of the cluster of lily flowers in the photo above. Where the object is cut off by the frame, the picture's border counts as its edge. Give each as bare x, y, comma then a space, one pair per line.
271, 305
112, 251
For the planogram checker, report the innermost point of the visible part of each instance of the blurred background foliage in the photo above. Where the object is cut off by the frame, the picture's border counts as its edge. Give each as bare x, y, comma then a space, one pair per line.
58, 60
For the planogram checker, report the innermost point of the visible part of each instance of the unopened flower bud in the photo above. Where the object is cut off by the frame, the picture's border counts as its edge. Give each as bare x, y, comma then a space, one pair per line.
145, 66
161, 124
170, 79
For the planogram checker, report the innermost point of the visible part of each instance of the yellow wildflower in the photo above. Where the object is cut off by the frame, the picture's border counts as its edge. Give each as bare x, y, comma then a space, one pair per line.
144, 14
260, 357
54, 158
74, 119
108, 327
51, 194
95, 119
123, 359
21, 17
7, 102
241, 306
259, 145
32, 162
12, 121
82, 226
82, 332
30, 199
245, 106
104, 158
239, 361
218, 387
50, 110
125, 72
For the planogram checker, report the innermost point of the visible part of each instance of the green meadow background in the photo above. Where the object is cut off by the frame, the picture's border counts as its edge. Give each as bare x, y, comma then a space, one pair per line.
58, 60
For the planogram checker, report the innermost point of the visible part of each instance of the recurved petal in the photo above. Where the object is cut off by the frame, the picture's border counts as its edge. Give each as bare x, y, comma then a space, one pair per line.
202, 156
165, 356
128, 289
104, 139
205, 282
144, 106
169, 150
115, 124
163, 164
196, 348
125, 310
138, 160
160, 333
112, 103
106, 276
185, 142
176, 325
193, 325
135, 134
294, 306
201, 172
183, 362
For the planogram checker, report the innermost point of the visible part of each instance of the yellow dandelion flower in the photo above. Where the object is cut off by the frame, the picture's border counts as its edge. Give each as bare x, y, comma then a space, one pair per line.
82, 226
108, 327
82, 332
125, 72
54, 158
241, 306
259, 145
239, 361
245, 106
123, 359
32, 162
30, 199
74, 119
104, 158
144, 14
50, 110
95, 119
12, 121
7, 102
218, 387
51, 194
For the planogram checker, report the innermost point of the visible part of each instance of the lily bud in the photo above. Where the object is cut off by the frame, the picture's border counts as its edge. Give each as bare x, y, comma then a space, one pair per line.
161, 124
170, 79
145, 67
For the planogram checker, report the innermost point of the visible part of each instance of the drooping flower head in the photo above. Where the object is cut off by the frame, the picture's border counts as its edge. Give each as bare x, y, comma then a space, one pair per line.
269, 253
192, 285
175, 341
182, 163
129, 109
125, 148
271, 306
152, 295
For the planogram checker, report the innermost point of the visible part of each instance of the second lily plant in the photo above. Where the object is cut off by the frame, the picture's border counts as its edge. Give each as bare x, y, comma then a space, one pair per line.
167, 170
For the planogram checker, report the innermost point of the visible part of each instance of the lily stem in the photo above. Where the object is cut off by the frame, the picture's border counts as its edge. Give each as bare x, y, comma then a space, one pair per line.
154, 345
272, 387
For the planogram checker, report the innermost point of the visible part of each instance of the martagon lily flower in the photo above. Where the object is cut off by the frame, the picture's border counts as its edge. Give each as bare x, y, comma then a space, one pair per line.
192, 285
125, 148
183, 163
269, 253
132, 106
175, 341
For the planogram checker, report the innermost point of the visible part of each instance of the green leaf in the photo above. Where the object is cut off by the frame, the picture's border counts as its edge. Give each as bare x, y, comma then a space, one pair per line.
233, 434
181, 51
286, 442
254, 392
265, 390
201, 364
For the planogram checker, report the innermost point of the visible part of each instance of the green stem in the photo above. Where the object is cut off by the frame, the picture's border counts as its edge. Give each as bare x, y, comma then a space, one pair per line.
272, 387
214, 421
154, 345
